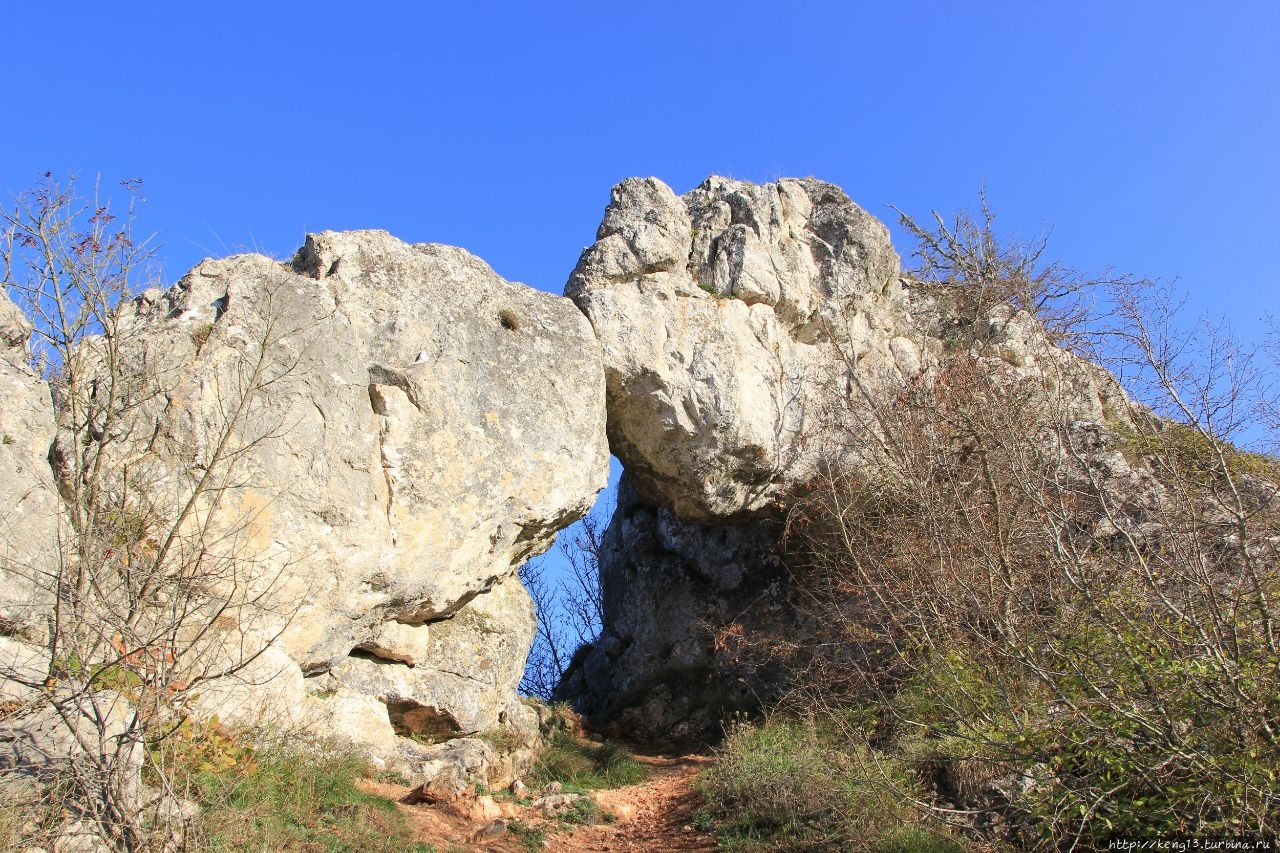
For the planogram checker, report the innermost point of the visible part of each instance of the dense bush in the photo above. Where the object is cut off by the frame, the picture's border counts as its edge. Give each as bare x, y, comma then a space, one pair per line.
1090, 637
1064, 623
799, 785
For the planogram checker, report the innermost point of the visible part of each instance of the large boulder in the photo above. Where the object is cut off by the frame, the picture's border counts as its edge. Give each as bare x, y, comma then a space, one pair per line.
725, 316
382, 434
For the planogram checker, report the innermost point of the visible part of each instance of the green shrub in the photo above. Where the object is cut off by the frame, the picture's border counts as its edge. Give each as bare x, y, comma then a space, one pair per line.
789, 784
584, 812
530, 837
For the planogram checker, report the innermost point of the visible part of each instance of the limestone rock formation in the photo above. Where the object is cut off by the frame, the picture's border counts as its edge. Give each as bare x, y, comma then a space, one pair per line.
468, 668
725, 315
392, 430
425, 428
381, 433
749, 332
668, 665
29, 503
432, 427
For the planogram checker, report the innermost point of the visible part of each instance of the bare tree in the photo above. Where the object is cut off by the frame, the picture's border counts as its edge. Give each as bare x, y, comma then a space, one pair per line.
972, 268
569, 608
157, 589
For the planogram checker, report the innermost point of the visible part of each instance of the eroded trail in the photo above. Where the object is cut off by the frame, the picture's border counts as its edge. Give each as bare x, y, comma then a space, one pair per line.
654, 815
663, 808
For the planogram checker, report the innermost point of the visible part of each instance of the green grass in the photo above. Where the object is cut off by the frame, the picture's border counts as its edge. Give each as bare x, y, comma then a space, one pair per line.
913, 839
584, 812
796, 785
530, 837
293, 801
581, 766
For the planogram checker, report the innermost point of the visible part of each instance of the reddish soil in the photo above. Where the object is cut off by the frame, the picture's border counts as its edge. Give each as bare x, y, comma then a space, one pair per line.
654, 815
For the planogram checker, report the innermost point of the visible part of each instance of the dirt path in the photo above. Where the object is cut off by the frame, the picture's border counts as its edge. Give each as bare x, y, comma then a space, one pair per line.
664, 806
654, 815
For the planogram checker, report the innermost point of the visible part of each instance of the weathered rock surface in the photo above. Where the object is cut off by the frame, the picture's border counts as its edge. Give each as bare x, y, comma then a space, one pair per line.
678, 598
725, 315
43, 741
399, 429
29, 504
428, 426
466, 676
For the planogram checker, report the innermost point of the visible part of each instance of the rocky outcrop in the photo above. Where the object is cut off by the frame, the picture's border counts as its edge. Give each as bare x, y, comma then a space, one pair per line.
749, 332
731, 319
379, 435
725, 316
428, 427
29, 505
422, 426
678, 599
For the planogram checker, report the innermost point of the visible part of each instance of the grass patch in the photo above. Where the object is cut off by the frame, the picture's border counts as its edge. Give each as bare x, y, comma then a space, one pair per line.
291, 800
509, 320
581, 766
501, 739
17, 807
796, 785
913, 839
584, 812
530, 837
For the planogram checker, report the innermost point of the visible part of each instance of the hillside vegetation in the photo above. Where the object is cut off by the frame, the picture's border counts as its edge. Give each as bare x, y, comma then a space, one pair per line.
1035, 633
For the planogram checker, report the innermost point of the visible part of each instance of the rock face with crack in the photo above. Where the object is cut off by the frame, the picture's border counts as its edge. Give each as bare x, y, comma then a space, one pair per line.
748, 332
391, 430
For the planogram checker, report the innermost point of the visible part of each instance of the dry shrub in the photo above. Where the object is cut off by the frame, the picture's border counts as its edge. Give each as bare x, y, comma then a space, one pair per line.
1090, 638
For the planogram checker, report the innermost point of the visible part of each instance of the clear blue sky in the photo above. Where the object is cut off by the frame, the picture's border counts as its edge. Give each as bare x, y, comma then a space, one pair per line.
1144, 132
